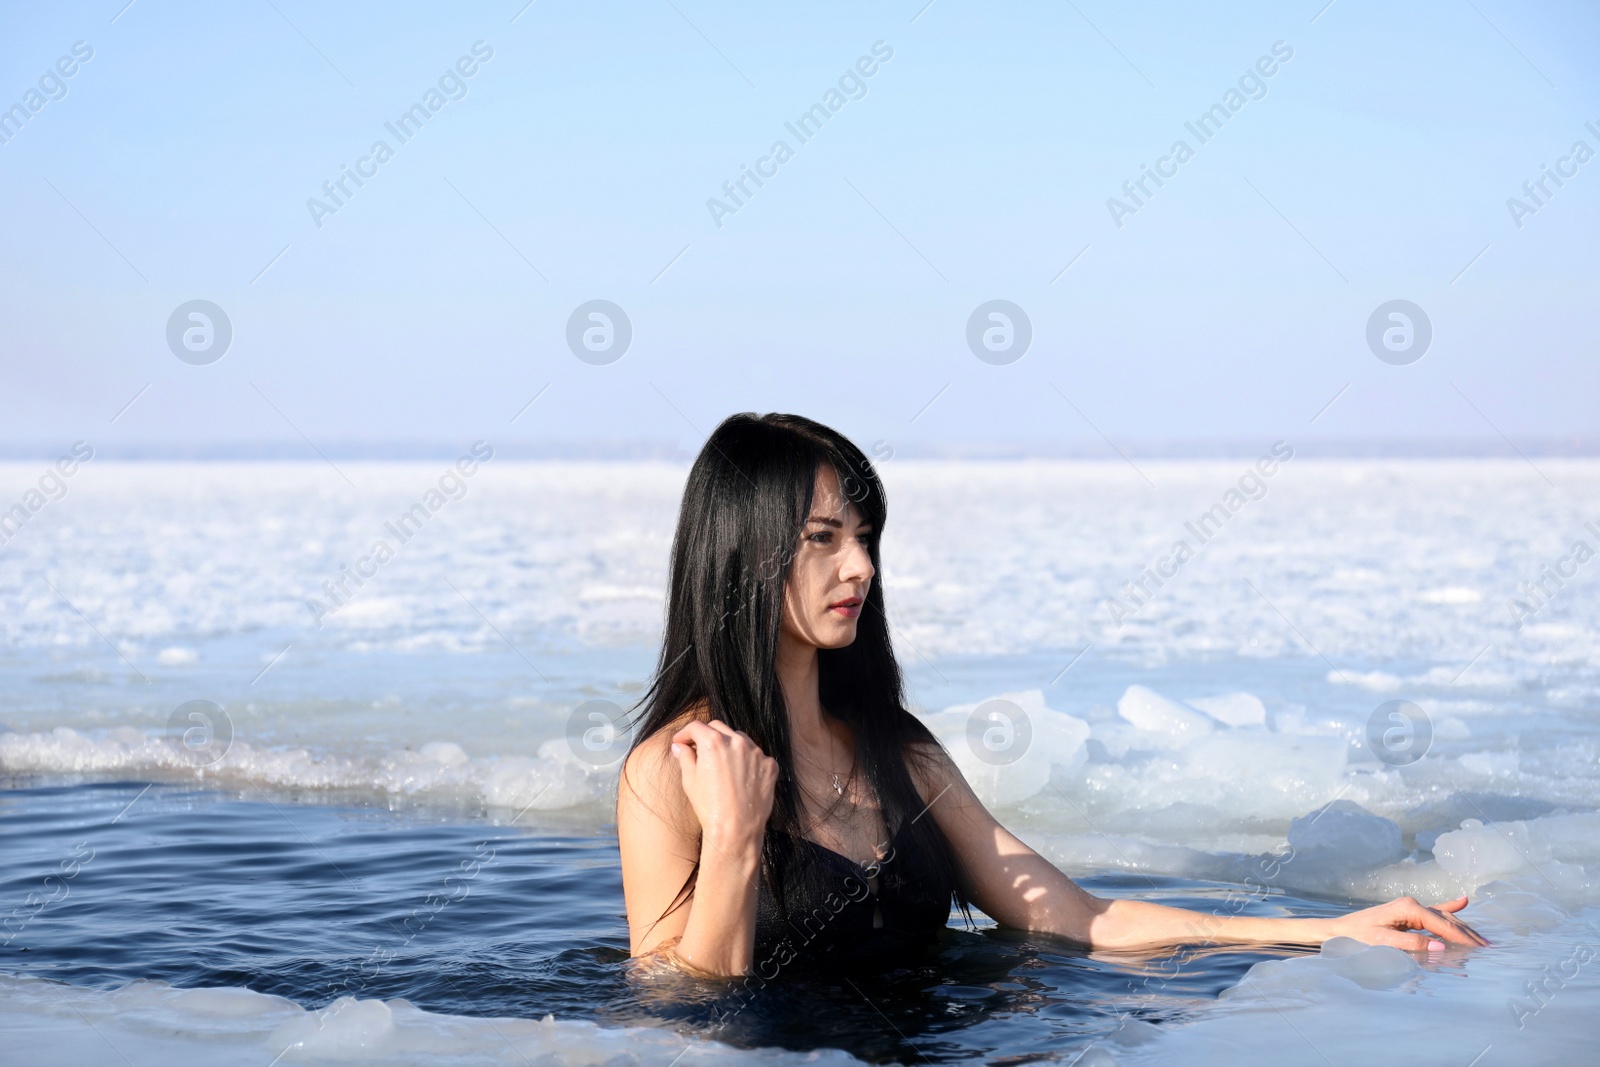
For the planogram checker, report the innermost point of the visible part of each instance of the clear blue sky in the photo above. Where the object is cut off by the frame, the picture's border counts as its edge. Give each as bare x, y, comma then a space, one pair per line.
433, 304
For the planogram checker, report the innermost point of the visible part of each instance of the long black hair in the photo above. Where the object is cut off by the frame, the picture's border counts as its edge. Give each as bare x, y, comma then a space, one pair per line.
744, 510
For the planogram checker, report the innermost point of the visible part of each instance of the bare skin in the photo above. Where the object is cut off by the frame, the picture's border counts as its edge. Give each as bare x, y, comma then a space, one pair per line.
704, 791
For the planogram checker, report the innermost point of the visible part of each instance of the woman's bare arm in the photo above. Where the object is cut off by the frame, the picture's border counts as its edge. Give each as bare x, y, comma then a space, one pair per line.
702, 792
1017, 887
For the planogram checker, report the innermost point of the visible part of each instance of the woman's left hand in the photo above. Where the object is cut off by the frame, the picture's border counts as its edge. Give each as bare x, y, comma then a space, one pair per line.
1391, 923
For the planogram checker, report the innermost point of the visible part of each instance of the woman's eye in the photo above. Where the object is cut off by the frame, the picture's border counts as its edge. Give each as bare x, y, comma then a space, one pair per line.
825, 537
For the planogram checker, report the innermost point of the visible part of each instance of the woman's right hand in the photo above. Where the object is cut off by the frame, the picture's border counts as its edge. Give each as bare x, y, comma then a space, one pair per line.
729, 782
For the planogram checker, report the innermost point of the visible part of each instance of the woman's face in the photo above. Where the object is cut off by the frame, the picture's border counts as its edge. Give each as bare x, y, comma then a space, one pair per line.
832, 570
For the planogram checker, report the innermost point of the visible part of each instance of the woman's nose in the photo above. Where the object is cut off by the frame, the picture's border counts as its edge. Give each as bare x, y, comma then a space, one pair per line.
857, 565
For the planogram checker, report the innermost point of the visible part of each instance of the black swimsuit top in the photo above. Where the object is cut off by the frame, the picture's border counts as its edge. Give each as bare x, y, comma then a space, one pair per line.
840, 915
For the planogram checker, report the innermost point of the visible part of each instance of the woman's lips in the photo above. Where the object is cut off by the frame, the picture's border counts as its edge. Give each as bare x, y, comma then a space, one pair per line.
847, 609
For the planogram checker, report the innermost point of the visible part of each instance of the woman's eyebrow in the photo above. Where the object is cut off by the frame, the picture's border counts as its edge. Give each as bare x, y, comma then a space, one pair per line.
835, 523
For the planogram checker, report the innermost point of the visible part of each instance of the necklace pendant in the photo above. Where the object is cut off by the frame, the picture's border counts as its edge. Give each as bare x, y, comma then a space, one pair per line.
838, 787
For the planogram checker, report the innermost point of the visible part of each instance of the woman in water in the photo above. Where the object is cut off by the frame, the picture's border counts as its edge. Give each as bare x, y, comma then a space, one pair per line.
781, 805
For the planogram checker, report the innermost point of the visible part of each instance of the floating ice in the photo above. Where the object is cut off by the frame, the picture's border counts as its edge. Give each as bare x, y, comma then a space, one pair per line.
1342, 959
1055, 744
1345, 834
1479, 852
1529, 999
1558, 856
1235, 709
437, 768
1247, 774
345, 1027
1165, 723
47, 1023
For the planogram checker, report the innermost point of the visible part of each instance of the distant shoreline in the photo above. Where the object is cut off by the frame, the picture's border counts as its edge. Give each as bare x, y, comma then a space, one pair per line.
1573, 446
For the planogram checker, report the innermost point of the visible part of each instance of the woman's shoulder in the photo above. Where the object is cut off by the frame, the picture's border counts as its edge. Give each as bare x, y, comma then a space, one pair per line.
656, 745
650, 771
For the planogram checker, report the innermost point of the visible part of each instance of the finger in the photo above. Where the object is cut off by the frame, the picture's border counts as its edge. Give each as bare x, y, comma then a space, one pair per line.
686, 755
1453, 929
1454, 906
1477, 938
731, 735
695, 733
1406, 941
1439, 925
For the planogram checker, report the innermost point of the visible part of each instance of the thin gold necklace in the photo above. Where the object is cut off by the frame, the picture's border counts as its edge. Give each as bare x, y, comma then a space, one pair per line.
838, 786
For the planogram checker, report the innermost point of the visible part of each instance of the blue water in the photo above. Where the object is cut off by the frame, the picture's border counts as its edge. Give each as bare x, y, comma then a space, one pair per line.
311, 899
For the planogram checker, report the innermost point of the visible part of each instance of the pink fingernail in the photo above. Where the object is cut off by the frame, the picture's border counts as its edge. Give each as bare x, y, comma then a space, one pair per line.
1435, 946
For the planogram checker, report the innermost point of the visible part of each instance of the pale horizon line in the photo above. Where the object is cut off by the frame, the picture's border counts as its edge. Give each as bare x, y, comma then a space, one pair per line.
1547, 446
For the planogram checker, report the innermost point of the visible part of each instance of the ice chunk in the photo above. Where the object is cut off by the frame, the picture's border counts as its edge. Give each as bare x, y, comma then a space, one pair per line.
1345, 834
1261, 775
1235, 709
446, 752
1054, 742
1341, 960
1289, 719
1479, 852
1572, 837
346, 1026
1169, 723
47, 1023
226, 1002
1368, 966
1376, 681
519, 782
1491, 764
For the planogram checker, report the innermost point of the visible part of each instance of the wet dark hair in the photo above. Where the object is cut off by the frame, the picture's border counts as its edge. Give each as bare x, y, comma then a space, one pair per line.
744, 510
